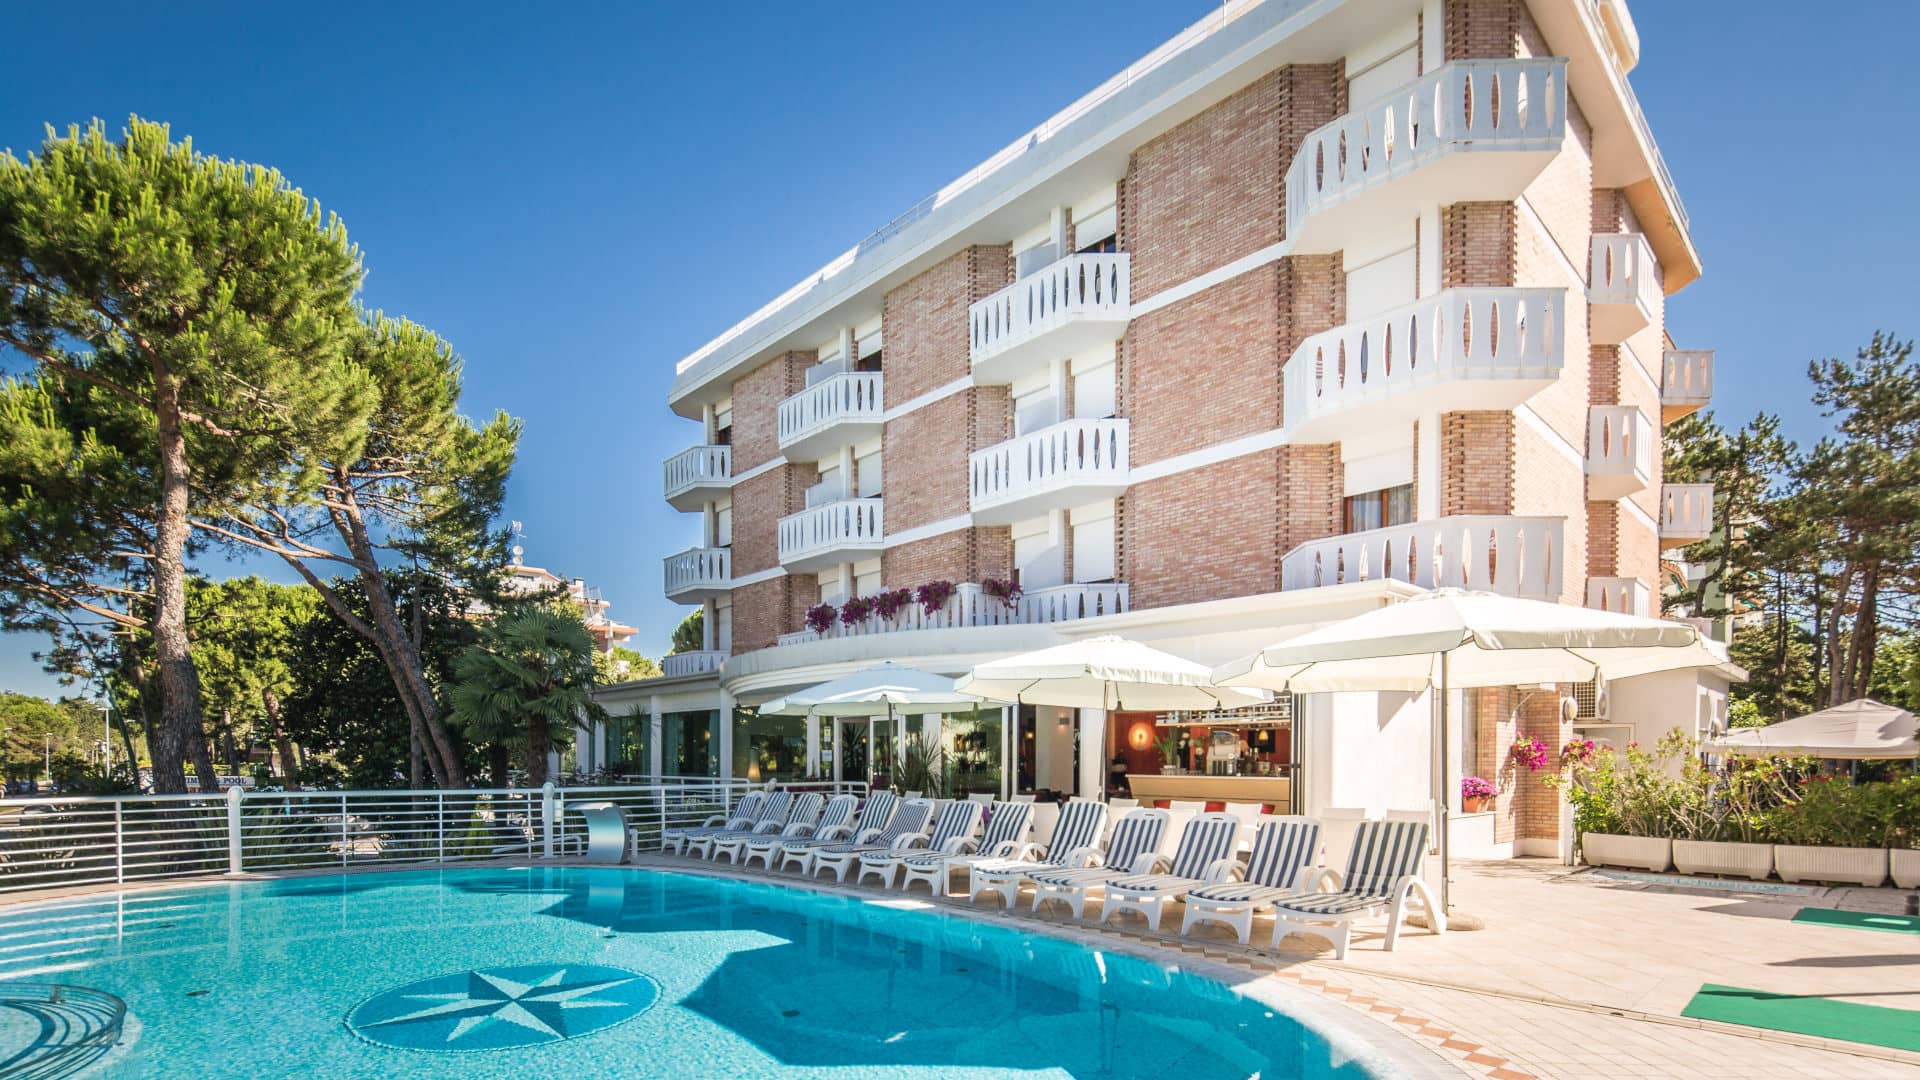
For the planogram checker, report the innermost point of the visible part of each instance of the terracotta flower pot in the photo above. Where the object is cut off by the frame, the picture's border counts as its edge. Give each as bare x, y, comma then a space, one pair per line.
1477, 805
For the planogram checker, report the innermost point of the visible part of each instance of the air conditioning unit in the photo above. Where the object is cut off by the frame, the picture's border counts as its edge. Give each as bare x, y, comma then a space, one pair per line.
1585, 703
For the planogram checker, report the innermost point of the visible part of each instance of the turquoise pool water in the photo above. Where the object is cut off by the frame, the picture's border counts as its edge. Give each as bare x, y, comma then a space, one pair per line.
588, 972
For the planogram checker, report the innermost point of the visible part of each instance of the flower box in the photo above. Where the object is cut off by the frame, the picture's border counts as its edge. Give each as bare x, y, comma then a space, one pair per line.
1479, 805
1723, 857
1854, 866
1635, 852
1906, 867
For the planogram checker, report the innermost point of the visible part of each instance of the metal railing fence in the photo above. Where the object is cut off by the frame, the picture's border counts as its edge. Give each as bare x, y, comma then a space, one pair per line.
61, 841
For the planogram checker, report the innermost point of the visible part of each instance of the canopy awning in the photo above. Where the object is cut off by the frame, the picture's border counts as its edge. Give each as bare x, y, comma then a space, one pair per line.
1860, 730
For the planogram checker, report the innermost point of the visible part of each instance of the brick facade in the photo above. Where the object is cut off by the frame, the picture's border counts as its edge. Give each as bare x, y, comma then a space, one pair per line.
961, 555
1476, 463
756, 407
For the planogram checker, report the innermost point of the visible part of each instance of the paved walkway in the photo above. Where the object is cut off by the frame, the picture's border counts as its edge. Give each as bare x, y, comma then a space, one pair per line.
1581, 976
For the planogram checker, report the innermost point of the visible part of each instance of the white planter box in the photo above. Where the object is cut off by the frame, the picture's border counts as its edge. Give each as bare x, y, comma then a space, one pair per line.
1637, 852
1855, 866
1906, 868
1723, 857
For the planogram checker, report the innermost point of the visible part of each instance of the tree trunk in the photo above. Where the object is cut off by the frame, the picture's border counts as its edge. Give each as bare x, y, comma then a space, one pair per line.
1836, 642
499, 767
277, 731
226, 742
180, 732
539, 743
1866, 634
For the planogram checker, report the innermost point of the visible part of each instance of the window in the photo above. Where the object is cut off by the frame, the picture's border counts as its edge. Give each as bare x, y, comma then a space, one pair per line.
1093, 230
1093, 392
867, 349
866, 475
723, 525
723, 425
1107, 244
723, 625
866, 577
1038, 561
1379, 509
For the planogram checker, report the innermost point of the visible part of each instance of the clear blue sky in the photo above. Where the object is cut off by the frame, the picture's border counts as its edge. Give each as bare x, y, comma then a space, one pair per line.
578, 201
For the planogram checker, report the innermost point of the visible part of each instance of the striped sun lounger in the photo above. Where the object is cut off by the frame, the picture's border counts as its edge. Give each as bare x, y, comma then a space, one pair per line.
1383, 871
1076, 839
1007, 827
773, 818
956, 825
1205, 855
907, 822
745, 813
1133, 850
802, 814
838, 812
874, 816
1282, 854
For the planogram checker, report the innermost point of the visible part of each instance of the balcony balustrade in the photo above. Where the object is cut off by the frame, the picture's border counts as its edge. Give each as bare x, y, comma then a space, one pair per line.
1620, 447
1471, 130
971, 606
1062, 465
1623, 285
1513, 556
698, 574
1468, 348
699, 662
1686, 514
837, 411
697, 475
1620, 595
1686, 382
835, 532
1074, 304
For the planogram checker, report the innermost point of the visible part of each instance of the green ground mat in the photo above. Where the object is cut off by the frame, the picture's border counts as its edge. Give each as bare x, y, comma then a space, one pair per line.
1807, 1015
1859, 920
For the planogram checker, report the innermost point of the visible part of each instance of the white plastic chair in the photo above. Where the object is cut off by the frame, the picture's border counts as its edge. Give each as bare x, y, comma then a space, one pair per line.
1338, 824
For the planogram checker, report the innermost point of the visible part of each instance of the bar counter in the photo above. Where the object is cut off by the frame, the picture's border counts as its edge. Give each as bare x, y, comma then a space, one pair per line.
1276, 790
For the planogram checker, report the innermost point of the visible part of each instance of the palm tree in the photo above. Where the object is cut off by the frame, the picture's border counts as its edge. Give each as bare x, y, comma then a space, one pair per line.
526, 684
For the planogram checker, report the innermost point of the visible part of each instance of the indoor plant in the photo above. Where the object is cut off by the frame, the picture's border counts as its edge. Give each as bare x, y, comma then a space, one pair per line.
1169, 747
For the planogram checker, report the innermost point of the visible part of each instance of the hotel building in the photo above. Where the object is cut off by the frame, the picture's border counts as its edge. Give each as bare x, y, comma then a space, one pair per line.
1320, 304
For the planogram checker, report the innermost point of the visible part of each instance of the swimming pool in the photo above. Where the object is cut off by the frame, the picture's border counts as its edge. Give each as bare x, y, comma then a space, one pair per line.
587, 971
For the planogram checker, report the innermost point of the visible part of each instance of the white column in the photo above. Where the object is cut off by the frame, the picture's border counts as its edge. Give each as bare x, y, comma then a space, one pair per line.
724, 738
813, 747
655, 729
1057, 386
1427, 457
1009, 743
1057, 223
839, 759
847, 486
709, 526
1433, 51
846, 348
1093, 753
709, 624
707, 430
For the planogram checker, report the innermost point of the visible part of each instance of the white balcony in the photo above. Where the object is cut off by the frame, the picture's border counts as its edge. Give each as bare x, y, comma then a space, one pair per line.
1686, 382
1472, 348
837, 411
1513, 556
1065, 464
1477, 130
1073, 305
971, 606
698, 475
835, 532
1686, 514
698, 574
1623, 285
1620, 595
1620, 446
699, 662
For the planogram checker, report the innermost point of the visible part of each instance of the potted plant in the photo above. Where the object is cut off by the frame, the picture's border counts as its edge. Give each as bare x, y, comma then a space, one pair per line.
1006, 590
1169, 747
1476, 794
1720, 817
1835, 832
855, 611
1528, 752
820, 618
889, 603
933, 596
1622, 806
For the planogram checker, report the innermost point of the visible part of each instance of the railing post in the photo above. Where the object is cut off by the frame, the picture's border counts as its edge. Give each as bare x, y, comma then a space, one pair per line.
235, 863
343, 829
440, 826
119, 844
546, 819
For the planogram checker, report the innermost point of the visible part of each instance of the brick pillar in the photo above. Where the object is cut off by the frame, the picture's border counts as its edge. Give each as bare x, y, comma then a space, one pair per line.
1476, 463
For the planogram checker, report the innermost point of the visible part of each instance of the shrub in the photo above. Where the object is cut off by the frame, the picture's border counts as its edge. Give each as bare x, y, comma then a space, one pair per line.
1630, 793
1835, 811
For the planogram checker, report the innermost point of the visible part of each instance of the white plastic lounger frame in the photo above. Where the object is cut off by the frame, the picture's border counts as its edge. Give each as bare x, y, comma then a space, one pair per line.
1007, 828
956, 825
745, 813
1134, 849
801, 816
773, 818
1076, 836
1204, 856
874, 816
1283, 849
841, 858
1382, 873
839, 811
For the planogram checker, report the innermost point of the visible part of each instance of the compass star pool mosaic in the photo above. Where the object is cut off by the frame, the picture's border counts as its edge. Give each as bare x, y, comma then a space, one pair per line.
499, 1008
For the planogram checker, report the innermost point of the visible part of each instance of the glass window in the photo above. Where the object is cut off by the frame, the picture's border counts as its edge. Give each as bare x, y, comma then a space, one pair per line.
1379, 509
769, 747
627, 744
973, 753
686, 743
